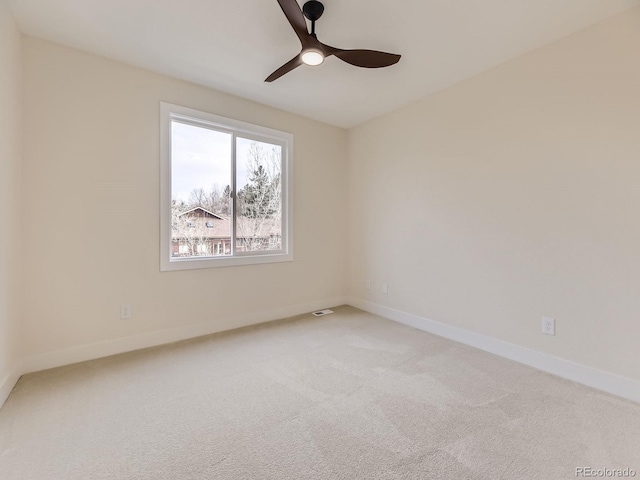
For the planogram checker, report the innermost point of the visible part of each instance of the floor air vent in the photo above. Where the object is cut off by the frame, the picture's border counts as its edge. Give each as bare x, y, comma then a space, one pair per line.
322, 313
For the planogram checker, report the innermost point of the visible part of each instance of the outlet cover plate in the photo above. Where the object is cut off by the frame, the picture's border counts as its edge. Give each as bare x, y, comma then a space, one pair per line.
125, 311
548, 325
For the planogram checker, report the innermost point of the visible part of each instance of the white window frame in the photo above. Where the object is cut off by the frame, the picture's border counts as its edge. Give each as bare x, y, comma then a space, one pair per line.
169, 112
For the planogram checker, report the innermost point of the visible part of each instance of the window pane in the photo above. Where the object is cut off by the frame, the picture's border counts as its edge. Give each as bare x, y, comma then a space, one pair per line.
200, 191
259, 202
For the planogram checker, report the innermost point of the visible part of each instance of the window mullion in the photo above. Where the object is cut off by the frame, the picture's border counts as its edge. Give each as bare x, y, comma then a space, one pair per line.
234, 202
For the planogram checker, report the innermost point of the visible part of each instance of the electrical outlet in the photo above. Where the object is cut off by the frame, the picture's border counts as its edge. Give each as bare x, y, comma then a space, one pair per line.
548, 326
385, 288
367, 284
125, 311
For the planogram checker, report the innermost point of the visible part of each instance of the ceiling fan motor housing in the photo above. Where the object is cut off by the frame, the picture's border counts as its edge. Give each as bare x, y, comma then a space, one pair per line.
313, 10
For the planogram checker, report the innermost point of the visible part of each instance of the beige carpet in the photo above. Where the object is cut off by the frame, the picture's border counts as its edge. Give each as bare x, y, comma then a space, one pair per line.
347, 396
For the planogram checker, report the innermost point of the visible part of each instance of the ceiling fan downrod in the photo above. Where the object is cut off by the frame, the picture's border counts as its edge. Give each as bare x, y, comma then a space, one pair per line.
313, 10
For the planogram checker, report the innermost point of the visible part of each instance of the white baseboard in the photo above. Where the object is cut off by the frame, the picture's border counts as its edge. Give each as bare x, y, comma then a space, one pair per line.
592, 377
114, 346
7, 384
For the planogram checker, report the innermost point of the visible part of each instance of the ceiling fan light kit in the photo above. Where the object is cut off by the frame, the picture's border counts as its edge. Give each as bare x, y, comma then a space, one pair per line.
312, 57
313, 51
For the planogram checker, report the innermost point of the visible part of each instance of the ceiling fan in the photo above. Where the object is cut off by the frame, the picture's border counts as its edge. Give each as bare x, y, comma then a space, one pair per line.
313, 51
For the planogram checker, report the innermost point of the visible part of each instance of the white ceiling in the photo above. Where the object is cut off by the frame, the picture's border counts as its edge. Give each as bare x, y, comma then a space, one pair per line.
233, 45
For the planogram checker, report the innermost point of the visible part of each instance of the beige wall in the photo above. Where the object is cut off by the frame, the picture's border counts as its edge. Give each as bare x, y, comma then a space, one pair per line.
91, 207
513, 195
10, 75
507, 197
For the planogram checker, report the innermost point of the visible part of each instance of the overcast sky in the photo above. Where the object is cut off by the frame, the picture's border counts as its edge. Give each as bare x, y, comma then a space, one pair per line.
201, 158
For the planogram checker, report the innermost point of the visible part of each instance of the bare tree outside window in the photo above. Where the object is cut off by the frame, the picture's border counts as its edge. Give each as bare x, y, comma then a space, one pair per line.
259, 200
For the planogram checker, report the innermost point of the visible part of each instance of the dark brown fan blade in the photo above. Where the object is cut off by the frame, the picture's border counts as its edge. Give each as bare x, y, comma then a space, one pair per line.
293, 13
286, 68
363, 58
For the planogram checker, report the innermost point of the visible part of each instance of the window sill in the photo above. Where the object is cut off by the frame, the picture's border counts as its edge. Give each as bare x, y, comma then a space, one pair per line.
194, 263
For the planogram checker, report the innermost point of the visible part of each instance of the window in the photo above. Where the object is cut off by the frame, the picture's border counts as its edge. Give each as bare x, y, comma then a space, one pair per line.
225, 191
